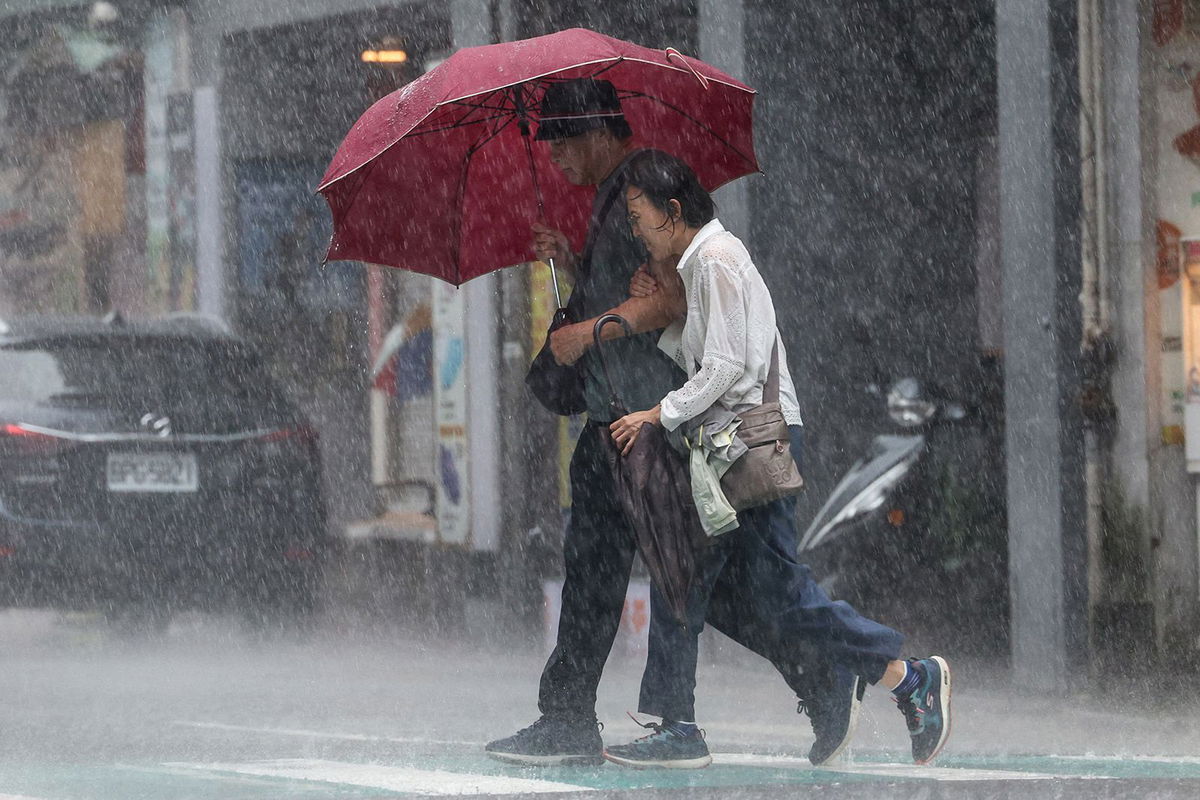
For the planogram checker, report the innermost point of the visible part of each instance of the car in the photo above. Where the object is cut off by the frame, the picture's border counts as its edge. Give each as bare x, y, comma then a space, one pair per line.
153, 466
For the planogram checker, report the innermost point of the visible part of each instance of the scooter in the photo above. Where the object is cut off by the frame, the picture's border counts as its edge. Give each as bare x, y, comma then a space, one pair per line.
867, 486
918, 544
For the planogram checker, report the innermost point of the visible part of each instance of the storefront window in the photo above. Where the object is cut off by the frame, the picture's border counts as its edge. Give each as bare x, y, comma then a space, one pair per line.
70, 162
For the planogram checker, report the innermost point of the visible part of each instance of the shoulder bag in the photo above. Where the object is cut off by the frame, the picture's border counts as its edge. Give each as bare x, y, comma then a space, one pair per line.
766, 471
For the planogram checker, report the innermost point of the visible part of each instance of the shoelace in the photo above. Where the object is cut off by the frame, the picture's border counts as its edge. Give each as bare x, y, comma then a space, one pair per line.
659, 729
911, 711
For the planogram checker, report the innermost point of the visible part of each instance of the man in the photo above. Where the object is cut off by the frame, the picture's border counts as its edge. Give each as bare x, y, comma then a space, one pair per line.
590, 141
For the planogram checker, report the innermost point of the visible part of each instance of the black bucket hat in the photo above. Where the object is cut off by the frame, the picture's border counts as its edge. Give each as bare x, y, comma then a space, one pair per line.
577, 106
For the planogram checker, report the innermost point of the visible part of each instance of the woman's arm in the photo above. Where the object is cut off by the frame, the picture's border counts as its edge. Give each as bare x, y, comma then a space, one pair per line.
724, 360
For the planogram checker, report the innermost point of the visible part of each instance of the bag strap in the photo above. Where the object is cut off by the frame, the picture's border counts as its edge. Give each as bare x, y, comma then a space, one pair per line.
597, 220
771, 389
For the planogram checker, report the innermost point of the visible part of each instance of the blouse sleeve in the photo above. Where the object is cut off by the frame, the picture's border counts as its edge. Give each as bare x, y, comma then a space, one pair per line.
724, 362
670, 341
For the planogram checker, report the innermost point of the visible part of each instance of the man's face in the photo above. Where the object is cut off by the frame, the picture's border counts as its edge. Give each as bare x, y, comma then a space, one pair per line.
580, 157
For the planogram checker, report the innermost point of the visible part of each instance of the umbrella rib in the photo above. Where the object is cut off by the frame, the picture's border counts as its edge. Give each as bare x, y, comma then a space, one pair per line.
471, 108
491, 135
355, 193
456, 125
483, 106
461, 192
696, 122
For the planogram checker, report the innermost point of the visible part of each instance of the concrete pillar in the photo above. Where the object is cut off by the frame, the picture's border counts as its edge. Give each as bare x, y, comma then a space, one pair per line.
1129, 97
211, 278
1136, 381
723, 44
1040, 209
471, 25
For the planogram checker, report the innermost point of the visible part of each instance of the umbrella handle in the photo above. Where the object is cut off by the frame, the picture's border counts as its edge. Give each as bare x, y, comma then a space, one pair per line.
614, 402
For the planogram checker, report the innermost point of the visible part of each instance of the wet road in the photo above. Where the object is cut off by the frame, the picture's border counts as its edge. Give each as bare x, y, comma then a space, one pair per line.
214, 709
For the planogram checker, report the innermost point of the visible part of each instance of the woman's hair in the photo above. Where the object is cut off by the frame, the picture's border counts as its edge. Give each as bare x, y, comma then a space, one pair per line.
662, 177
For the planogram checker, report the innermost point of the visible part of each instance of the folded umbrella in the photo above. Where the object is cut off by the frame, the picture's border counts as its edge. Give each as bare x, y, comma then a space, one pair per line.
654, 491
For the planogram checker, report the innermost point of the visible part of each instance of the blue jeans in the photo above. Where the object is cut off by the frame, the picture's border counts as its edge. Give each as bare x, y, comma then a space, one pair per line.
750, 578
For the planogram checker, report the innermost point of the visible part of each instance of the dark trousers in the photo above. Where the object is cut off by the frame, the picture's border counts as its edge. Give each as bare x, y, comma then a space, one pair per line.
598, 554
781, 614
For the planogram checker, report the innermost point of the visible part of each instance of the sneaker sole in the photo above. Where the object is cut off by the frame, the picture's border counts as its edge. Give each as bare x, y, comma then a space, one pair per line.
855, 707
946, 685
547, 761
679, 763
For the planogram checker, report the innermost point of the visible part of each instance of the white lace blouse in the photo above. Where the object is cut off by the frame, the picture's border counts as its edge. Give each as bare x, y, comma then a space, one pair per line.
724, 342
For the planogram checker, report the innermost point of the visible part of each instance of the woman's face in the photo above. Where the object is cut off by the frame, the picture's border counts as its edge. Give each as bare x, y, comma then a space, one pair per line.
651, 225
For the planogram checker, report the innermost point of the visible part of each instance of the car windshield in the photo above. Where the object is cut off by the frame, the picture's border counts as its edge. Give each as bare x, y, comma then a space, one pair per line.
166, 369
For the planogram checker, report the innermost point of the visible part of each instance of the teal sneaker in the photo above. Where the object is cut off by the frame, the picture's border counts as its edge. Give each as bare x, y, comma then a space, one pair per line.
927, 709
666, 747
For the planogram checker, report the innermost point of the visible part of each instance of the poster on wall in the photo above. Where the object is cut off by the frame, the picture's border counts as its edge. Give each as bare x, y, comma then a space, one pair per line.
542, 306
450, 414
283, 232
1178, 193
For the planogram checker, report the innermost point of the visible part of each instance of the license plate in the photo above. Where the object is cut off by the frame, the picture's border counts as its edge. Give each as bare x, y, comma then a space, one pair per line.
152, 472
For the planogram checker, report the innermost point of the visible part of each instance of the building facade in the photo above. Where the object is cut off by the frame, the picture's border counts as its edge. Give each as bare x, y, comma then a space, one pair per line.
995, 198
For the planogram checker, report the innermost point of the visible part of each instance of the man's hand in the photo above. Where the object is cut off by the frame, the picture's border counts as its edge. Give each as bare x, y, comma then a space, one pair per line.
642, 284
549, 243
570, 342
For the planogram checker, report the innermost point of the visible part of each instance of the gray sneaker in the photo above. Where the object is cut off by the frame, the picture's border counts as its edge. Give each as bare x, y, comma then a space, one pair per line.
666, 747
833, 709
551, 741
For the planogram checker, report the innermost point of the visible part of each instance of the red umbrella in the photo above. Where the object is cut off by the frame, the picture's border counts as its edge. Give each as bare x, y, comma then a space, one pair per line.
440, 177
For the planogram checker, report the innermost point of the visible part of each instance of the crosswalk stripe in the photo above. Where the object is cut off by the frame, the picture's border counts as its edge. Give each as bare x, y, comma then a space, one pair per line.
758, 760
914, 771
379, 776
1189, 760
304, 732
918, 772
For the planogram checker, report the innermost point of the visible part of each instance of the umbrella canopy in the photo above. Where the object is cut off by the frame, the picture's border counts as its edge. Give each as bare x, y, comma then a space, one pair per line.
440, 177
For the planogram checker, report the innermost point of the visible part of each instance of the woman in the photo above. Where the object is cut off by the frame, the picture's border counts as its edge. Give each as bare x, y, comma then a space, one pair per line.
725, 344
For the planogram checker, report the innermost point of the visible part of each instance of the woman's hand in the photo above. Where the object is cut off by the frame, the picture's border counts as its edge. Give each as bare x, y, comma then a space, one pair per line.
642, 284
625, 430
